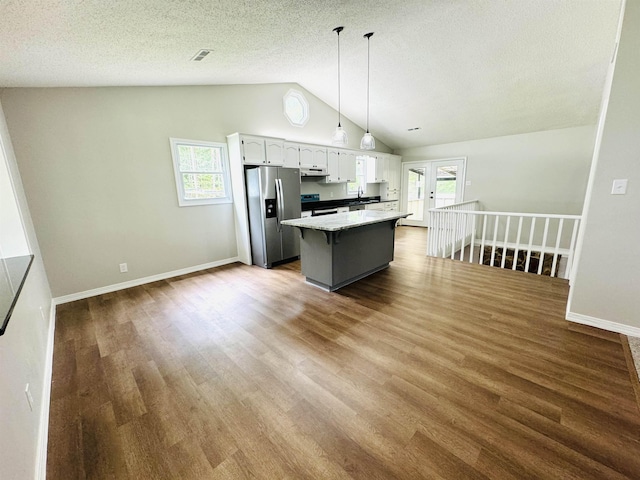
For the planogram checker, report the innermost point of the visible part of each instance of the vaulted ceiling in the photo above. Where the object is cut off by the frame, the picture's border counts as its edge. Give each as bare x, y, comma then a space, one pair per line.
458, 69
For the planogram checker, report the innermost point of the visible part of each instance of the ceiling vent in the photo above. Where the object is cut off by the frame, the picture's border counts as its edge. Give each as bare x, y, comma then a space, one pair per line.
200, 55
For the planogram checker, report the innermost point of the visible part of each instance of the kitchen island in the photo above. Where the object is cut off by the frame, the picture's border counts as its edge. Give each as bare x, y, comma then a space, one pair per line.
342, 248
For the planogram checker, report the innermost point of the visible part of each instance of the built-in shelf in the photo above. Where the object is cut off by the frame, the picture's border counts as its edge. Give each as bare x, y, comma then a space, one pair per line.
13, 273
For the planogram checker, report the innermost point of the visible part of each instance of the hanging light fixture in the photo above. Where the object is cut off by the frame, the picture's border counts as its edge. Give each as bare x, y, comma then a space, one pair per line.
339, 137
368, 142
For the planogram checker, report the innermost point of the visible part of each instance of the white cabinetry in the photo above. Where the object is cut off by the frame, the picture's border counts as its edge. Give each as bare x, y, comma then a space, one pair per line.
333, 166
341, 166
374, 206
313, 156
253, 152
261, 151
291, 155
347, 166
394, 178
274, 149
391, 206
377, 168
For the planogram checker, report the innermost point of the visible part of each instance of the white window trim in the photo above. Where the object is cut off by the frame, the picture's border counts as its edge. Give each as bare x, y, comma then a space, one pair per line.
305, 107
184, 202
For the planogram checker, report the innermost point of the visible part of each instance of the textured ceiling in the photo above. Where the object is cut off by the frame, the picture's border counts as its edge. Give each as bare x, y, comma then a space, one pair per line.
460, 70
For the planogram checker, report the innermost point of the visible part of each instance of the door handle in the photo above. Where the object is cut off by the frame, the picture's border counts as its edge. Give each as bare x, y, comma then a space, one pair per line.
279, 203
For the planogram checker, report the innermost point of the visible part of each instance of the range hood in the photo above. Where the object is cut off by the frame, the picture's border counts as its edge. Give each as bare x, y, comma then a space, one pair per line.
314, 172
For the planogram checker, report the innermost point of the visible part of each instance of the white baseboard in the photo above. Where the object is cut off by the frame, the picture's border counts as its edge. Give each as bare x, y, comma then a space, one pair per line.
140, 281
604, 324
43, 431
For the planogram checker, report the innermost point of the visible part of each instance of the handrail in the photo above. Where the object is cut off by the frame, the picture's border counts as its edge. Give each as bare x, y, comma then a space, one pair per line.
506, 214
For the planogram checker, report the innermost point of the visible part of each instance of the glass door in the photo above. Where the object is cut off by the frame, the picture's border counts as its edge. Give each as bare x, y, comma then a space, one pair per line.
430, 184
446, 185
415, 193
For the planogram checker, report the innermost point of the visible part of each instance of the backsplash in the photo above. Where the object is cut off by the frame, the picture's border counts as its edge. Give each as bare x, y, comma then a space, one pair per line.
334, 191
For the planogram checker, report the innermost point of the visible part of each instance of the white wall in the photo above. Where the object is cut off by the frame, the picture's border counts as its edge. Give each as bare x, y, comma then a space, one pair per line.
25, 346
607, 276
97, 170
541, 172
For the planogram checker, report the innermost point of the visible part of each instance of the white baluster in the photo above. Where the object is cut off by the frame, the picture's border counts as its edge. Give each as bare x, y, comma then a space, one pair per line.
557, 249
544, 244
517, 249
504, 246
533, 228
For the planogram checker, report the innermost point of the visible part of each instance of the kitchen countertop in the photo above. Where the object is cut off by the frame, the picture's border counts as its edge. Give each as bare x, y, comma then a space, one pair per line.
343, 202
344, 221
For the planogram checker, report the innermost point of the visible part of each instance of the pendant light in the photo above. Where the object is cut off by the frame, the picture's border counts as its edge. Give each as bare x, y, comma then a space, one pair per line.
339, 137
368, 142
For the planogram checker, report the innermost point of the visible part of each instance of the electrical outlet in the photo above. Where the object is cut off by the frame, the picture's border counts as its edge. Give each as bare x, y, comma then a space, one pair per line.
124, 268
27, 392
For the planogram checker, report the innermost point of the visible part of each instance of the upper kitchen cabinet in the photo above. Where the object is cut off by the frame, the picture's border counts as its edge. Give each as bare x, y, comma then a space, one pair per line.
252, 148
275, 151
291, 155
262, 151
333, 166
341, 166
377, 168
313, 156
348, 165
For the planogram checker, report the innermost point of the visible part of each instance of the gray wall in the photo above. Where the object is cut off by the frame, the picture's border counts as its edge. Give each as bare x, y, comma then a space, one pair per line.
607, 276
97, 170
541, 172
23, 347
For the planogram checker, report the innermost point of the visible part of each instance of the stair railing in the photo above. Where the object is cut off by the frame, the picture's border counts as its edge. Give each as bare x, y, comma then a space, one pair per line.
532, 242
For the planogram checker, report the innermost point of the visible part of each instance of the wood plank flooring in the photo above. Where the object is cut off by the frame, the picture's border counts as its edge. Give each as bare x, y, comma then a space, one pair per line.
430, 369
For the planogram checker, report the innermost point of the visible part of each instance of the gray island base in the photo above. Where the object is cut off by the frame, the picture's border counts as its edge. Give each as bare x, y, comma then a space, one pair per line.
339, 249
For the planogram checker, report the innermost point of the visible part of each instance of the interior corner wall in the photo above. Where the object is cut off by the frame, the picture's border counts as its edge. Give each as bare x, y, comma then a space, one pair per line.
606, 281
25, 355
97, 169
540, 172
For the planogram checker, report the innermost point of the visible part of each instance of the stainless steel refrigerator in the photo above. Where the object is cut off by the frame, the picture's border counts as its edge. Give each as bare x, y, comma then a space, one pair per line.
273, 194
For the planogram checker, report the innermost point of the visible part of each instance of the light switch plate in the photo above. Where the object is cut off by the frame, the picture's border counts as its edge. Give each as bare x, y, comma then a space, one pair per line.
619, 186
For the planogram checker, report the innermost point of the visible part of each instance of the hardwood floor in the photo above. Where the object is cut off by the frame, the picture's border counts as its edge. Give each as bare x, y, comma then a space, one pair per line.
429, 369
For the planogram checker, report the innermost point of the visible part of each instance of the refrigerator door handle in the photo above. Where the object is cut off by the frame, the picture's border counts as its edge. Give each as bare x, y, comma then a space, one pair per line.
279, 203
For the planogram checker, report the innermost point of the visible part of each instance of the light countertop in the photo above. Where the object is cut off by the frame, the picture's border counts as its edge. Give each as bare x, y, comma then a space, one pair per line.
344, 221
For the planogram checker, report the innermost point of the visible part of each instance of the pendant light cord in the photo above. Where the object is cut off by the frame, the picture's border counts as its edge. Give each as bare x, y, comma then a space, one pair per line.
368, 35
338, 30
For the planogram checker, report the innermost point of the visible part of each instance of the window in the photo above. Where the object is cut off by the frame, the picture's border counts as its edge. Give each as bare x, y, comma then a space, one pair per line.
361, 177
296, 108
202, 172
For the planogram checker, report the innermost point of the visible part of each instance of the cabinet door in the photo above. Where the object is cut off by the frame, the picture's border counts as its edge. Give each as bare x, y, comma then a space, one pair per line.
274, 151
374, 206
320, 157
291, 155
306, 156
376, 168
312, 156
253, 152
394, 172
347, 166
333, 166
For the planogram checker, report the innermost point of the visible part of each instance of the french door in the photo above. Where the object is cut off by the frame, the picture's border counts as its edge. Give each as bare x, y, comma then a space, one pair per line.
430, 184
